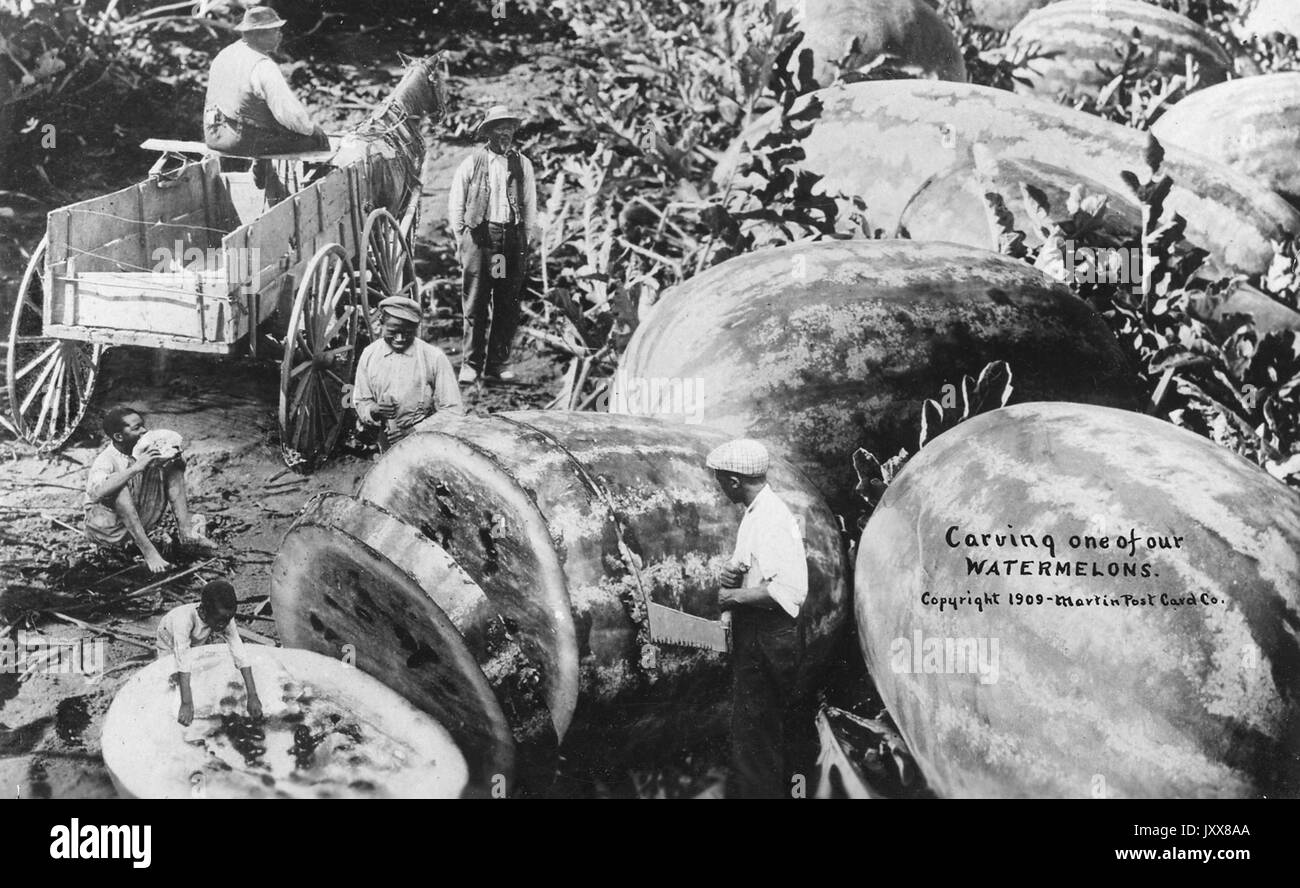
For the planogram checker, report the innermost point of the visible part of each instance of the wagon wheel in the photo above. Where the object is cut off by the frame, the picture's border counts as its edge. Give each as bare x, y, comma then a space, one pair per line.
387, 268
320, 352
50, 381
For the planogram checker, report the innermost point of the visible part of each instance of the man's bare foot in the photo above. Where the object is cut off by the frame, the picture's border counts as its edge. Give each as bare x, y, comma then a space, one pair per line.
157, 564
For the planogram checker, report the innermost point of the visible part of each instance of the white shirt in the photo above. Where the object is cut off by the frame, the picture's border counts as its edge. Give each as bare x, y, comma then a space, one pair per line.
498, 206
102, 523
265, 80
769, 547
269, 84
182, 627
420, 380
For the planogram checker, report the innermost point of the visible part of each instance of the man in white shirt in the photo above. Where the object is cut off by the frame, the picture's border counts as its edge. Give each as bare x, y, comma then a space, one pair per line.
492, 211
400, 378
250, 109
763, 587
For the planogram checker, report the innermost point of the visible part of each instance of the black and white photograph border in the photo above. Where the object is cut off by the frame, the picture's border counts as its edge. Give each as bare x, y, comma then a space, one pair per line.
642, 399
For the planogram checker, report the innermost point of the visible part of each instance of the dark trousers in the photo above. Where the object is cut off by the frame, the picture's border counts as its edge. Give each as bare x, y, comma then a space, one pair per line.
495, 261
767, 715
234, 137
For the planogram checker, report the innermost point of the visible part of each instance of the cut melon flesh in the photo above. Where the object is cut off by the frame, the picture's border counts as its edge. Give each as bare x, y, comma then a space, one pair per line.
350, 577
368, 742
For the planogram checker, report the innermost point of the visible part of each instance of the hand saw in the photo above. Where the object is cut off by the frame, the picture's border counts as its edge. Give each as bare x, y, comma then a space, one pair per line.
669, 626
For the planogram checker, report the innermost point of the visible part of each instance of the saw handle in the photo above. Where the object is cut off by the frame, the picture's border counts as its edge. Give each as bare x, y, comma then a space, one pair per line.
725, 619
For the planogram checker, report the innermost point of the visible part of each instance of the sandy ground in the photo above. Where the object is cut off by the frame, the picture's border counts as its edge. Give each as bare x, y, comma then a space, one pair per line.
50, 722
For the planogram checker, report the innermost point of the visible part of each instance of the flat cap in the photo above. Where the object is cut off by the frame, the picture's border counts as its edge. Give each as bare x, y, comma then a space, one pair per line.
401, 307
744, 456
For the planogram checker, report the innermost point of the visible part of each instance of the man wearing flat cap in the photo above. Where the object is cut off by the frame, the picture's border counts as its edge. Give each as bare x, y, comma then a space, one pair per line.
250, 110
400, 378
492, 211
763, 587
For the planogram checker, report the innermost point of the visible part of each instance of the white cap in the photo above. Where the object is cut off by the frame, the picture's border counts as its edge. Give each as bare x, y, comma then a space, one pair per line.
744, 456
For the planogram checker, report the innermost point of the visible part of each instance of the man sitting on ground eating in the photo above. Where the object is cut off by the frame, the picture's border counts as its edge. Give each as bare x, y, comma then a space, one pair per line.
127, 493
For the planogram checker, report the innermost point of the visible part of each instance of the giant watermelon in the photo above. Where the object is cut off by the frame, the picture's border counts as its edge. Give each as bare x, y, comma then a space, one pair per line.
560, 526
1251, 125
830, 346
1175, 673
330, 732
884, 140
1089, 37
920, 41
952, 207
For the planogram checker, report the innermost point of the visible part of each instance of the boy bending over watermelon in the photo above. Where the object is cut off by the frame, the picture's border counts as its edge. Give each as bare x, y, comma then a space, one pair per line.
192, 624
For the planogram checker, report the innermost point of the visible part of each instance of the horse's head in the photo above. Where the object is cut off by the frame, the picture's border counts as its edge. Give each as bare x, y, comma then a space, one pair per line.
423, 88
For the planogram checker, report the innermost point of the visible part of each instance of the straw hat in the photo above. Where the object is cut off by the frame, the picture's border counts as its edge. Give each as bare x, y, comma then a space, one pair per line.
260, 18
496, 113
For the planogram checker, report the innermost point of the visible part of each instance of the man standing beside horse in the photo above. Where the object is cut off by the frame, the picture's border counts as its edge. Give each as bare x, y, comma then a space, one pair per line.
492, 210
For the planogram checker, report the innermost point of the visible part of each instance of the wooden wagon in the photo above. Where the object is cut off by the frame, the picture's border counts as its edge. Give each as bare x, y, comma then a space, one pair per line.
198, 258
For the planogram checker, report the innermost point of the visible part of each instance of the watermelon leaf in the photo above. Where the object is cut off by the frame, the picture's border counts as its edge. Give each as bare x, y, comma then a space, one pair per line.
931, 422
1155, 154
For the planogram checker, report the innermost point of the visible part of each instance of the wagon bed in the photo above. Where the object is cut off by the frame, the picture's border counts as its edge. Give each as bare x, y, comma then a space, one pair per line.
192, 262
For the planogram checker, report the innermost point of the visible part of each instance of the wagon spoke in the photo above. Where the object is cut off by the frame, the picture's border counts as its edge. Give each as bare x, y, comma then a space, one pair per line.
309, 426
298, 395
332, 404
311, 309
298, 370
337, 352
305, 425
306, 321
27, 368
51, 397
318, 423
330, 400
37, 385
348, 314
59, 423
329, 297
78, 370
328, 322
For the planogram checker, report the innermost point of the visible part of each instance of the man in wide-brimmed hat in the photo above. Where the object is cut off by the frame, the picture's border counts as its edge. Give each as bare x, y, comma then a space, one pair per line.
400, 378
492, 211
250, 110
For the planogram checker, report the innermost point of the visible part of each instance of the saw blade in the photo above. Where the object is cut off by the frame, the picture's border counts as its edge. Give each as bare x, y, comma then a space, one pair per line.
669, 626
